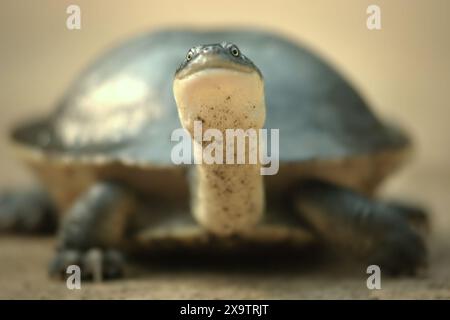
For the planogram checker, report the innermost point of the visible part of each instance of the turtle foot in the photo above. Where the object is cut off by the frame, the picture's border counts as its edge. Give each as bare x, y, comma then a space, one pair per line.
385, 234
401, 251
95, 264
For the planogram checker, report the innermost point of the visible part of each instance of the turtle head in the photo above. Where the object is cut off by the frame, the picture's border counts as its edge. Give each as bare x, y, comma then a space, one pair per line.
220, 86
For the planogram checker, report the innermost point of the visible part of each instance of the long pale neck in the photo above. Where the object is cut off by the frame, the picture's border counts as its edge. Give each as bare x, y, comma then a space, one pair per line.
227, 198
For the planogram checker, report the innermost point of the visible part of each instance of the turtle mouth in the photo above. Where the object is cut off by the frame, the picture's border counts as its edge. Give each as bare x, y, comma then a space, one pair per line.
206, 62
224, 93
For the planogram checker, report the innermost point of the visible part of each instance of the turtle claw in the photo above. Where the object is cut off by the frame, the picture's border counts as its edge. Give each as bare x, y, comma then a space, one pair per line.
401, 253
95, 264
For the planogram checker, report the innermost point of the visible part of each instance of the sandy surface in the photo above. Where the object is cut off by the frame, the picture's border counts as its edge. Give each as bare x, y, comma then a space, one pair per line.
403, 70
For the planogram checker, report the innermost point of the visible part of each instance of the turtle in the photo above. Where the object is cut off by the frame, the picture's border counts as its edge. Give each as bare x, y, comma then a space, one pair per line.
110, 186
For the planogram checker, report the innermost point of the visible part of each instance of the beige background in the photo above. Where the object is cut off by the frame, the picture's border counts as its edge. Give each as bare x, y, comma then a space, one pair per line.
403, 70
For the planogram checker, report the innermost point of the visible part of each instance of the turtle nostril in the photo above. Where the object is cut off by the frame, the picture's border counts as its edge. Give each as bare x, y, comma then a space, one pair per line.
210, 50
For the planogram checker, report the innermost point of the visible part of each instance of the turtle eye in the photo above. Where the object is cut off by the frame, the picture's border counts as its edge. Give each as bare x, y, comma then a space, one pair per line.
189, 55
234, 51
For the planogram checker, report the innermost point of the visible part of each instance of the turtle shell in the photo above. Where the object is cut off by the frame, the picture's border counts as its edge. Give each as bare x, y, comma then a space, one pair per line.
116, 121
121, 108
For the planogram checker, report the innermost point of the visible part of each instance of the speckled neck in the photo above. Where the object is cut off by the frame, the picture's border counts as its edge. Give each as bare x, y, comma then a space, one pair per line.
226, 198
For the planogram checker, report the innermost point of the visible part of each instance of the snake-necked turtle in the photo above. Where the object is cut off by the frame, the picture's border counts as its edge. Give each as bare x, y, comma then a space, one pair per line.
105, 156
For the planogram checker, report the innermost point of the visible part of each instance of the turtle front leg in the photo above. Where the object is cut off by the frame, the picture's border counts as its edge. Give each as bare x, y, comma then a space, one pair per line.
92, 229
30, 212
381, 233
